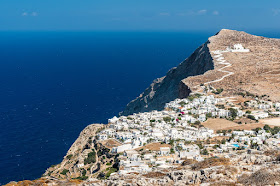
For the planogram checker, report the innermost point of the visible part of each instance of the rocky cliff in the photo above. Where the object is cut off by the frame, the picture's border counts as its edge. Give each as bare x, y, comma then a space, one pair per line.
86, 159
170, 87
256, 71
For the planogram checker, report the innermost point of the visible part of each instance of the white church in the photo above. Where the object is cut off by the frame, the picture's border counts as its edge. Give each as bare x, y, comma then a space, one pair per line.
237, 48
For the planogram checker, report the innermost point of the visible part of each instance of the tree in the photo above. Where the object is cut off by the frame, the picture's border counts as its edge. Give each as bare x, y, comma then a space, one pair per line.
233, 113
248, 112
209, 115
267, 128
251, 117
166, 119
218, 91
197, 123
204, 152
91, 157
171, 142
64, 172
182, 103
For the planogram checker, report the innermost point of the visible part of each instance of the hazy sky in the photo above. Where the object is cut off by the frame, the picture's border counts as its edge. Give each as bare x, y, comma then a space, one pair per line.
139, 14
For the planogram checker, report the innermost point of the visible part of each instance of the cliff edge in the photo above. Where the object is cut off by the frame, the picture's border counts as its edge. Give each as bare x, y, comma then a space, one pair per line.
170, 87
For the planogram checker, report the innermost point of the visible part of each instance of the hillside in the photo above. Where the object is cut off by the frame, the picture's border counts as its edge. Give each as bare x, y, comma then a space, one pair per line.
256, 71
212, 139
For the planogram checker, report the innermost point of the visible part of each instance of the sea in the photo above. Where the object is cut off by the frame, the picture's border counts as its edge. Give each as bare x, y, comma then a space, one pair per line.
55, 83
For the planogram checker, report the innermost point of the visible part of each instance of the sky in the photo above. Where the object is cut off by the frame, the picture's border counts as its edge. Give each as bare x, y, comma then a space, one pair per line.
139, 15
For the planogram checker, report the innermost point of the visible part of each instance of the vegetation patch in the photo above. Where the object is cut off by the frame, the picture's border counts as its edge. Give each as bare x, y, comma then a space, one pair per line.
111, 170
91, 157
81, 178
64, 172
69, 156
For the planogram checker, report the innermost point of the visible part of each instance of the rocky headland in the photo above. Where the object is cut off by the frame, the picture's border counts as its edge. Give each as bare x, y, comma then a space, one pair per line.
204, 123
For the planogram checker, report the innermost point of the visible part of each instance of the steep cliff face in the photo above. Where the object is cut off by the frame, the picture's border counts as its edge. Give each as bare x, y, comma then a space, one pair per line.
170, 87
86, 159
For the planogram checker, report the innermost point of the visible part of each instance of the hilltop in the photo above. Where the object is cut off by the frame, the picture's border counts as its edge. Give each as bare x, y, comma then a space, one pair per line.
254, 72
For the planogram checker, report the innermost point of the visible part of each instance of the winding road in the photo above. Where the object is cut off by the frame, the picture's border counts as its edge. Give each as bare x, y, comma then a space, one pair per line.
221, 60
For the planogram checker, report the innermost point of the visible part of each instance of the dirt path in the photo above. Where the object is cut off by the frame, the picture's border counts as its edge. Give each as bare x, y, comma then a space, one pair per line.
218, 55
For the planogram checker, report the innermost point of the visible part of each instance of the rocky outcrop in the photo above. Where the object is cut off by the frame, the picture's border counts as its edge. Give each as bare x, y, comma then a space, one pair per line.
86, 158
170, 87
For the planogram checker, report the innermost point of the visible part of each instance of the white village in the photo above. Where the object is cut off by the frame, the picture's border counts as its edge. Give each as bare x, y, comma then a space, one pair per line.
206, 138
177, 133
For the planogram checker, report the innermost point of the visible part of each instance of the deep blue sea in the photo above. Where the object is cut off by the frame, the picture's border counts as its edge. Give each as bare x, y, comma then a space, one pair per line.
53, 84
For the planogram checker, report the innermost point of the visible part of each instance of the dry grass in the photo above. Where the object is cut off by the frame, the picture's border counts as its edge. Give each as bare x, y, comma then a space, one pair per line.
153, 146
246, 126
219, 124
261, 177
154, 174
271, 152
245, 121
223, 183
110, 143
271, 121
275, 154
230, 169
189, 162
210, 162
223, 124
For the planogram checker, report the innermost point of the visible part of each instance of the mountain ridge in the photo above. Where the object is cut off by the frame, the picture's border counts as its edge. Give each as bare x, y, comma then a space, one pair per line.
199, 67
167, 88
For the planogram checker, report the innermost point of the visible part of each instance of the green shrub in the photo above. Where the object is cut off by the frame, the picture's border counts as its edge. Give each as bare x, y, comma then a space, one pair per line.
91, 158
248, 112
64, 172
251, 117
84, 172
233, 113
204, 152
69, 156
111, 170
81, 178
182, 103
167, 119
218, 91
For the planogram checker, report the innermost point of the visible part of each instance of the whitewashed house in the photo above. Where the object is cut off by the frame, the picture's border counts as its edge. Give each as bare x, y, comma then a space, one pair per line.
164, 151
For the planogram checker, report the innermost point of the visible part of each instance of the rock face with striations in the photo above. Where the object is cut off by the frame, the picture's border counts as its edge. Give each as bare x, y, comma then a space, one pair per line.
170, 87
256, 71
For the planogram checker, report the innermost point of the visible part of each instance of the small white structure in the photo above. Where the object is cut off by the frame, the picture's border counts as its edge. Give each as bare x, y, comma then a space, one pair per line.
121, 148
80, 165
237, 48
260, 114
102, 136
164, 151
113, 120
